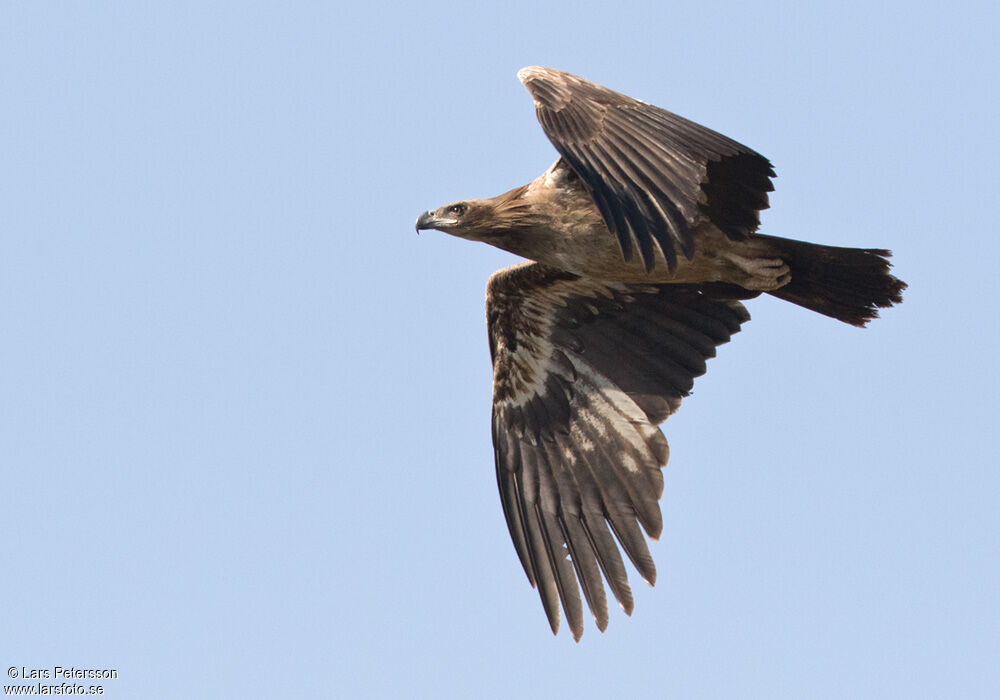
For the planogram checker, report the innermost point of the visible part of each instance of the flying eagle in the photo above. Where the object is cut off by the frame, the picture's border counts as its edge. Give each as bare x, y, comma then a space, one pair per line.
642, 241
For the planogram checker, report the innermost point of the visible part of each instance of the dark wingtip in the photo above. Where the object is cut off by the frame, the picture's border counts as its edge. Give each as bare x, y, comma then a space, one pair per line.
601, 622
554, 623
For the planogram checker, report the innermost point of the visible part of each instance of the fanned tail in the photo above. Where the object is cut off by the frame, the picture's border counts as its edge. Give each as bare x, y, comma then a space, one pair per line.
848, 284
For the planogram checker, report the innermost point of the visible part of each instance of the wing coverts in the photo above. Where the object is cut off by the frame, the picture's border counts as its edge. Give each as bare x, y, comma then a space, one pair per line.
652, 174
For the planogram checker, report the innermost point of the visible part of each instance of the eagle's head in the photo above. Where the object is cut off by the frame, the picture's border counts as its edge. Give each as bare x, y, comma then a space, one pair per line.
497, 221
466, 219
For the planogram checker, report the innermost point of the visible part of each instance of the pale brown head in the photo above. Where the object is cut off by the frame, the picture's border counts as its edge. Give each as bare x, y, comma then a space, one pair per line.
488, 220
468, 219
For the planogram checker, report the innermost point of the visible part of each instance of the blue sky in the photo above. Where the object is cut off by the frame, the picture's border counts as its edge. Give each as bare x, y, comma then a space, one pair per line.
244, 435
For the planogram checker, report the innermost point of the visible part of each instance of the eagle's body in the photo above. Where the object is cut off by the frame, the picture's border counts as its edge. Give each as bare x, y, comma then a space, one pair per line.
643, 237
553, 220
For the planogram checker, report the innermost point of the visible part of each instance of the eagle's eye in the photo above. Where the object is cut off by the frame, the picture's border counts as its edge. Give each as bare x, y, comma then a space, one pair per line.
457, 209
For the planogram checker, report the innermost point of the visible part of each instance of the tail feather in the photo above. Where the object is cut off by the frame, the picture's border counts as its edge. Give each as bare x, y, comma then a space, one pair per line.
849, 284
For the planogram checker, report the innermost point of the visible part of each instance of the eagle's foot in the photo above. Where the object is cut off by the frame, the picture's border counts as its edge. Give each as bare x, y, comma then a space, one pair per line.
760, 274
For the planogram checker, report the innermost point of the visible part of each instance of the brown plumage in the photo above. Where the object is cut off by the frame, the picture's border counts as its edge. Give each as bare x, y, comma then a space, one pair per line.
643, 239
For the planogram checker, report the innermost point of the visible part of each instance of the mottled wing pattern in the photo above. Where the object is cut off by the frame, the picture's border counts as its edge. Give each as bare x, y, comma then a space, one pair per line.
583, 372
652, 174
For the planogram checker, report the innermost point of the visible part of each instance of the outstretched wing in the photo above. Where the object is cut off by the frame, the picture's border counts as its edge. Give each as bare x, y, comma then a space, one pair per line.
583, 372
652, 174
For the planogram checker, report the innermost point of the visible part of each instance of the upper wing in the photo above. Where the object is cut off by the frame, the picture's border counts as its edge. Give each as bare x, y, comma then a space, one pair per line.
651, 173
583, 371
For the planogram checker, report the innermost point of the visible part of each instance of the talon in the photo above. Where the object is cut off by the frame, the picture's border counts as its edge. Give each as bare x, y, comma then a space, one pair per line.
763, 274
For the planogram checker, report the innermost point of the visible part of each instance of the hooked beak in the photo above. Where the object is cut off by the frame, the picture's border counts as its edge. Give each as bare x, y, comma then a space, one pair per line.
426, 221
